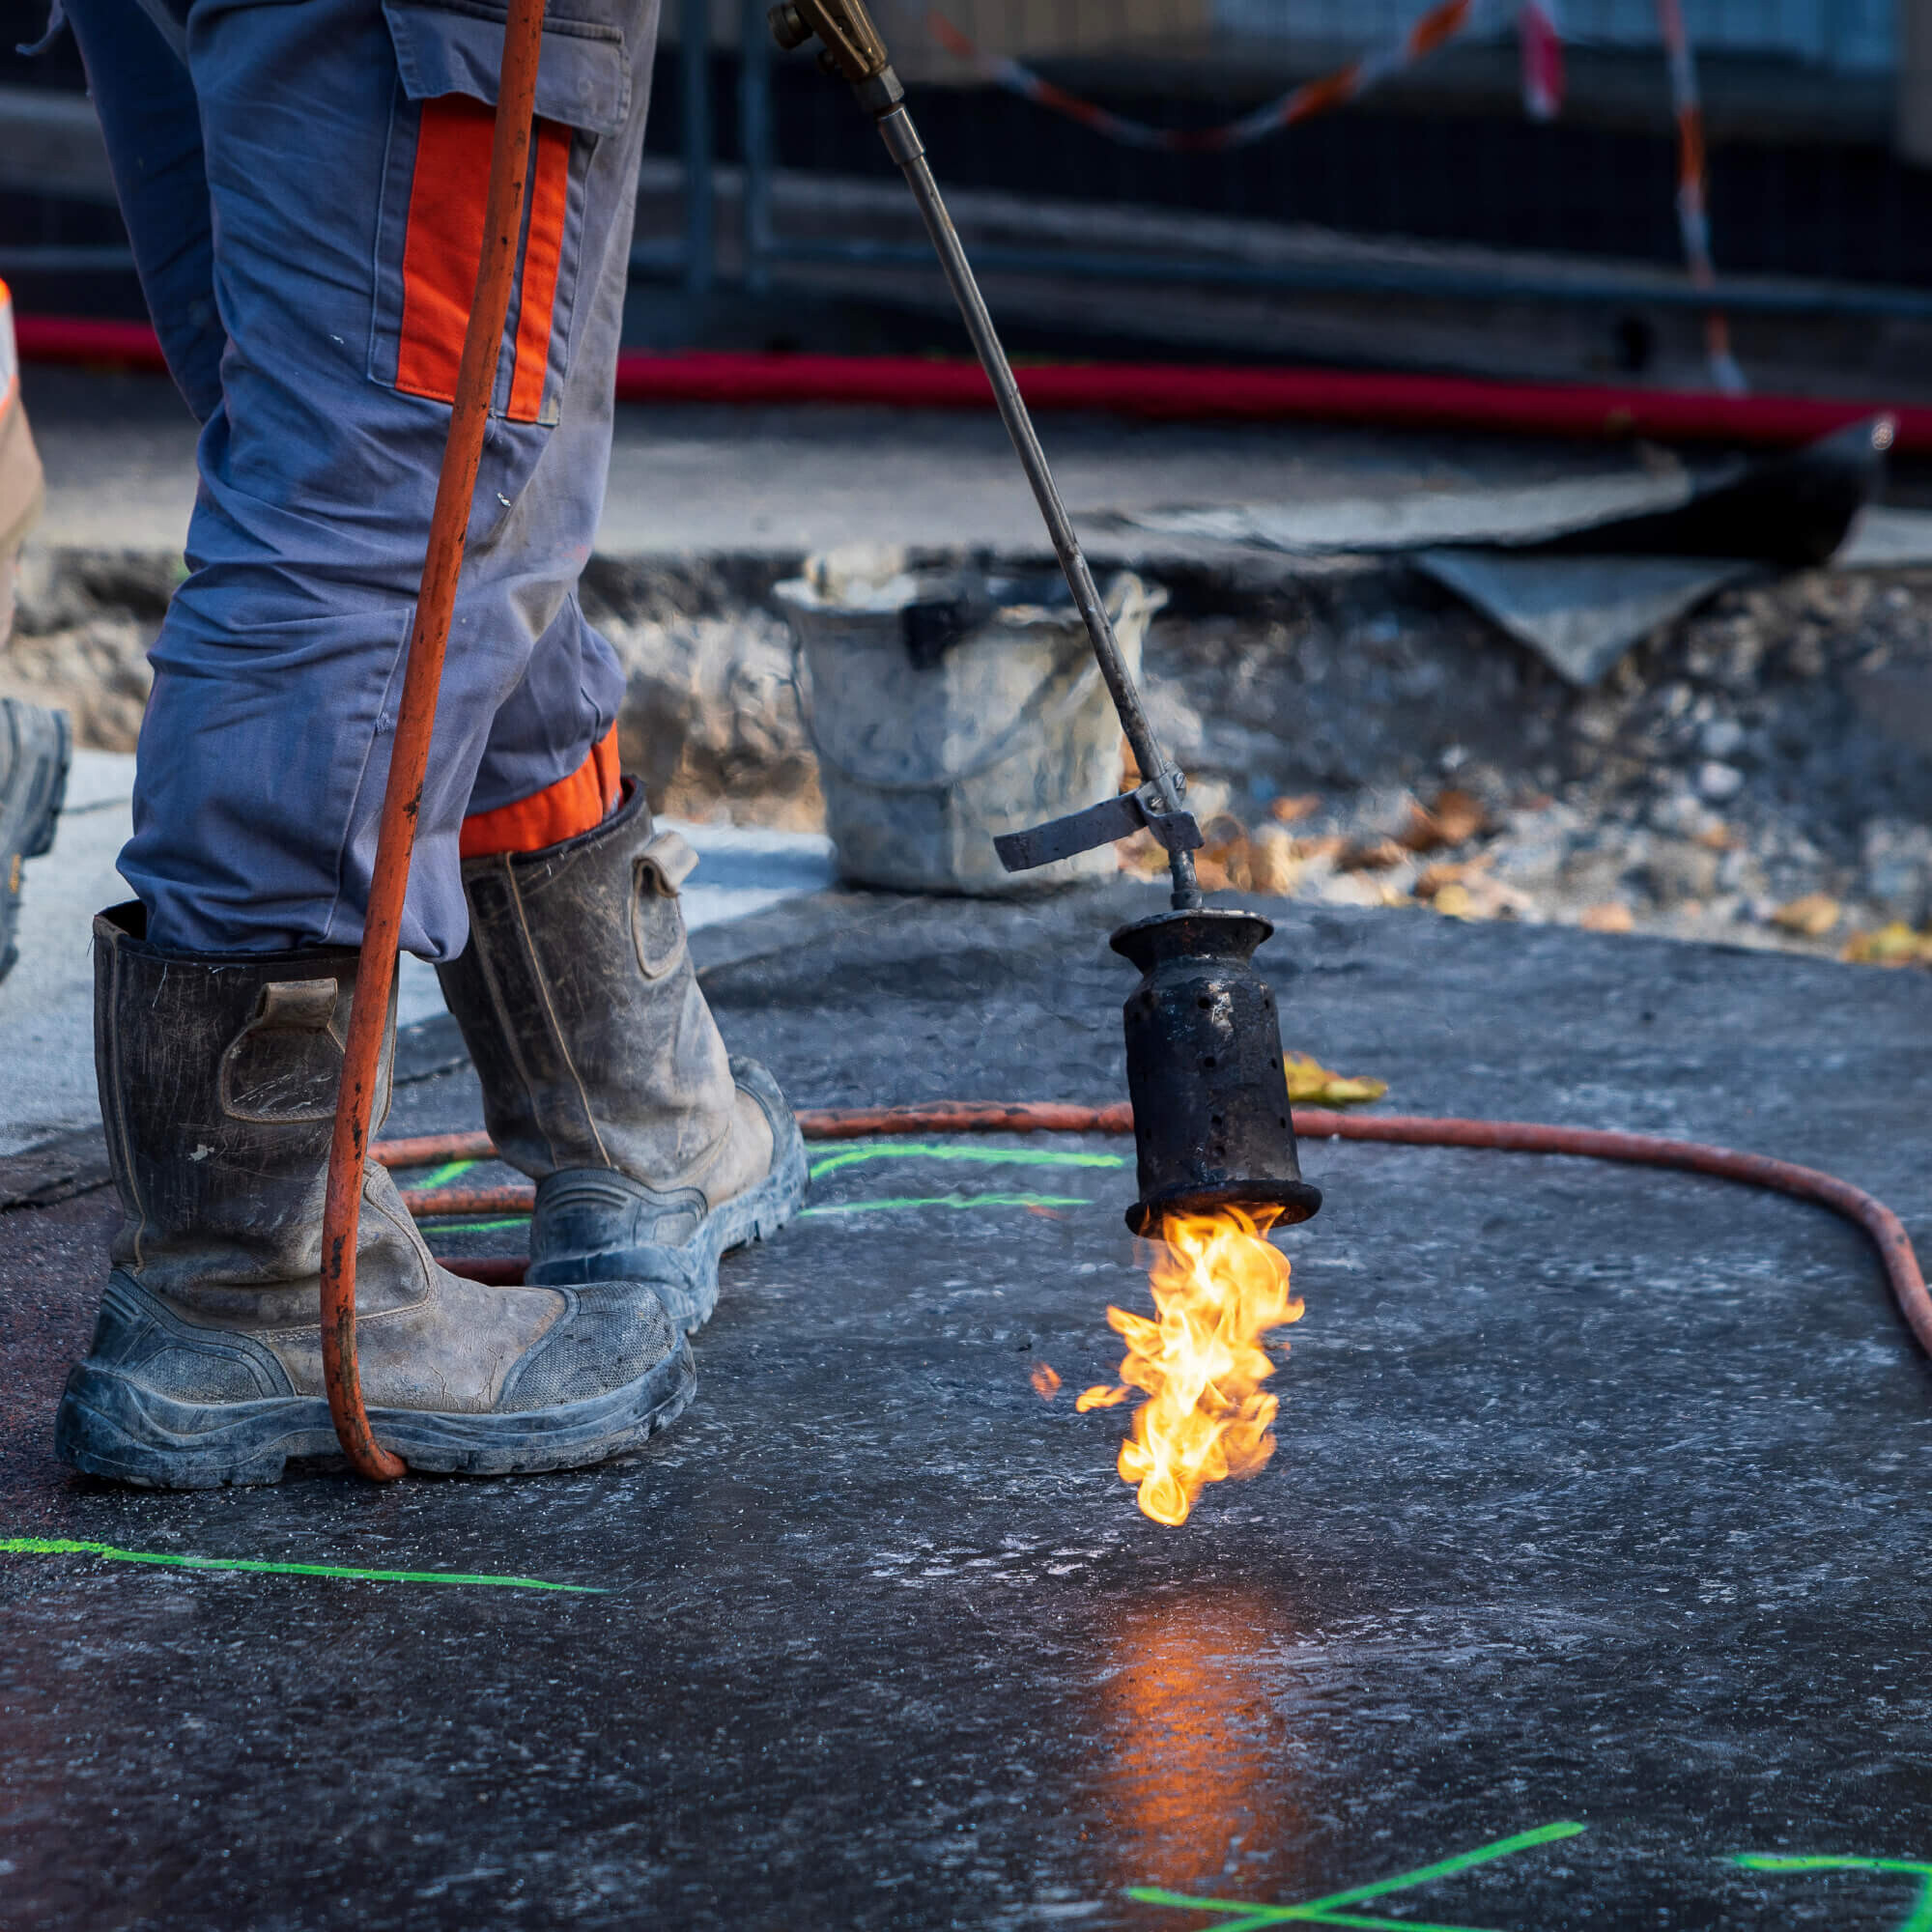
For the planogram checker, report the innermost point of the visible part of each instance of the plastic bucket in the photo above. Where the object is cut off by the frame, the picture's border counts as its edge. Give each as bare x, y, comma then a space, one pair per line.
947, 709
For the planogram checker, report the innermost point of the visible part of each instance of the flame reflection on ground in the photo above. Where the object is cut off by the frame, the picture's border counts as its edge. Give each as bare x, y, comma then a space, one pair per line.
1199, 1774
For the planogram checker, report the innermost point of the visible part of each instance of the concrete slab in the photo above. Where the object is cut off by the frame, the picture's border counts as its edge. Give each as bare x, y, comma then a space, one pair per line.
46, 1001
119, 452
1586, 1587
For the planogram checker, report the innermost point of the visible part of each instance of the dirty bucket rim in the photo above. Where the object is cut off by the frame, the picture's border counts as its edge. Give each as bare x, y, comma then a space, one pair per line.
1032, 606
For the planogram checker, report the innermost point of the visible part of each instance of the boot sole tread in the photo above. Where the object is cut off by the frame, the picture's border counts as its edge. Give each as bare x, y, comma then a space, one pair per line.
111, 1425
755, 1216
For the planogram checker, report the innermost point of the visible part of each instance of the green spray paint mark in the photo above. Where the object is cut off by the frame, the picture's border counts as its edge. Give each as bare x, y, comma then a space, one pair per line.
953, 1200
1918, 1919
59, 1546
442, 1176
1245, 1915
890, 1204
845, 1155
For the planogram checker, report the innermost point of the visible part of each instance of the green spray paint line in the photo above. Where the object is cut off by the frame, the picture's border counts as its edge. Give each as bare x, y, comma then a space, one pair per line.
892, 1203
1328, 1911
1502, 1848
442, 1176
849, 1154
953, 1200
1258, 1916
1918, 1919
58, 1546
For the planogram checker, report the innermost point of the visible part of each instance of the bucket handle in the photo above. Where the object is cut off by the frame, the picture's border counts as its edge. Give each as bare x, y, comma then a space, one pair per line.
1020, 735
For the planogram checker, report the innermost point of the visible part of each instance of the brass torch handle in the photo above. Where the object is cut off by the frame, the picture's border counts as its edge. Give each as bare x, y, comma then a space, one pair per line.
853, 51
852, 47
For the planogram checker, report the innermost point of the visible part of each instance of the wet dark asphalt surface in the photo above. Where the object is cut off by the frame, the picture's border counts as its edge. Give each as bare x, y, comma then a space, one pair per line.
1600, 1499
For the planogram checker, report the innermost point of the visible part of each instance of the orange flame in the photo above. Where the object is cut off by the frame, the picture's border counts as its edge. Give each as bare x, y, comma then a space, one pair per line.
1218, 1286
1045, 1381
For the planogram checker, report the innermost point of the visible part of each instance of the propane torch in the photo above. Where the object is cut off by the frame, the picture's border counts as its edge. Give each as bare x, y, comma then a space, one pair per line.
1212, 1120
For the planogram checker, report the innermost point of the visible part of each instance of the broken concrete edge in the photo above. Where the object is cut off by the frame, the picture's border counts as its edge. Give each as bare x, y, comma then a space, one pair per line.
72, 1163
63, 583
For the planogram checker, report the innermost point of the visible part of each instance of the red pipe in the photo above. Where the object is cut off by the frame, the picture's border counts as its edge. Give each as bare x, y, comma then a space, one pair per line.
1166, 391
1755, 1170
86, 342
416, 720
1194, 393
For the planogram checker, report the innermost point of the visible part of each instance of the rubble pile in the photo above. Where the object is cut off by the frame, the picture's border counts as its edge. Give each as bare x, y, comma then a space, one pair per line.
1757, 774
83, 623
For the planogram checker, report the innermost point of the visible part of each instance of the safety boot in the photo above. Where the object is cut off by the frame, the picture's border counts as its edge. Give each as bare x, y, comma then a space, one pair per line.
604, 1077
219, 1079
36, 749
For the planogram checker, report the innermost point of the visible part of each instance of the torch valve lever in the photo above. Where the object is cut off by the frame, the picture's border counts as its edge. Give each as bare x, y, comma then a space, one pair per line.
1118, 817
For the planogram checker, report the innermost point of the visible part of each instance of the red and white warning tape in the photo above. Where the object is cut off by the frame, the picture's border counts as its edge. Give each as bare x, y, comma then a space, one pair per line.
1540, 45
1441, 22
1693, 220
1539, 39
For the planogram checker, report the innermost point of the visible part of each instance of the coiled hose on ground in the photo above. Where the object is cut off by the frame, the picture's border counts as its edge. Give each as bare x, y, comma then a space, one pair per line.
979, 1116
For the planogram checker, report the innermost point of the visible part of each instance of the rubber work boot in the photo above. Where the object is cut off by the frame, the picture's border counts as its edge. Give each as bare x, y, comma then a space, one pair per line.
218, 1078
36, 749
604, 1077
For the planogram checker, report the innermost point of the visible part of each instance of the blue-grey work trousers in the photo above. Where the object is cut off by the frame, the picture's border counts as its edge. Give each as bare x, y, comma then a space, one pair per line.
303, 183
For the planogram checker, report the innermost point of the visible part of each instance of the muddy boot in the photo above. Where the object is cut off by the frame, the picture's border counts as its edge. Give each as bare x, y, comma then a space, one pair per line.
604, 1077
218, 1078
36, 748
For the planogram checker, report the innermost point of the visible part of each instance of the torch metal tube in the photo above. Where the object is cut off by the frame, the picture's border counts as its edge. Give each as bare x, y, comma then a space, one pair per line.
906, 149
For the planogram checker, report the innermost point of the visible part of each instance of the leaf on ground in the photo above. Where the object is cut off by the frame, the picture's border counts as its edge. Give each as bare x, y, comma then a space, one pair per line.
1812, 916
1455, 818
1893, 945
1612, 916
1468, 892
1308, 1080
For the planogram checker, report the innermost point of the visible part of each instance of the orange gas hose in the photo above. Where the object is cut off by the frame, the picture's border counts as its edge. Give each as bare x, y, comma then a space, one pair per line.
415, 720
1755, 1170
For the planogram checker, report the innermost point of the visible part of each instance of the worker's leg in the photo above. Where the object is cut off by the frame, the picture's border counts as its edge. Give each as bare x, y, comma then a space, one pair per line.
346, 172
217, 1088
151, 125
346, 155
604, 1077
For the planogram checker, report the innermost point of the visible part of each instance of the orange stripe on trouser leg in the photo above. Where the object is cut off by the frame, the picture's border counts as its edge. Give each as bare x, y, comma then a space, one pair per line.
443, 243
572, 806
543, 252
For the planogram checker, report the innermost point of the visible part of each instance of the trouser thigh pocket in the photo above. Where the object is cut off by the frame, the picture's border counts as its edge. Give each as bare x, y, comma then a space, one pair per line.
435, 181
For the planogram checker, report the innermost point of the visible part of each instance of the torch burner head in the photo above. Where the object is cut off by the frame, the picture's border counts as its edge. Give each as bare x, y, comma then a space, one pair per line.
1211, 1120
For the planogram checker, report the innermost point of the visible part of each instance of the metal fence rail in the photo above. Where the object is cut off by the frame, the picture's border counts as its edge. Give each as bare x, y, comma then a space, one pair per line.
47, 146
1578, 284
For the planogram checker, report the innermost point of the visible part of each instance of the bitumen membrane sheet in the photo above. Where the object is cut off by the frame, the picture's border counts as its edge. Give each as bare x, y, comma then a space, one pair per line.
1586, 1586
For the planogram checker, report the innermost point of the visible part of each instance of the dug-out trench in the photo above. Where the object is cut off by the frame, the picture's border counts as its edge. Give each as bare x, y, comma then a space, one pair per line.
1755, 773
